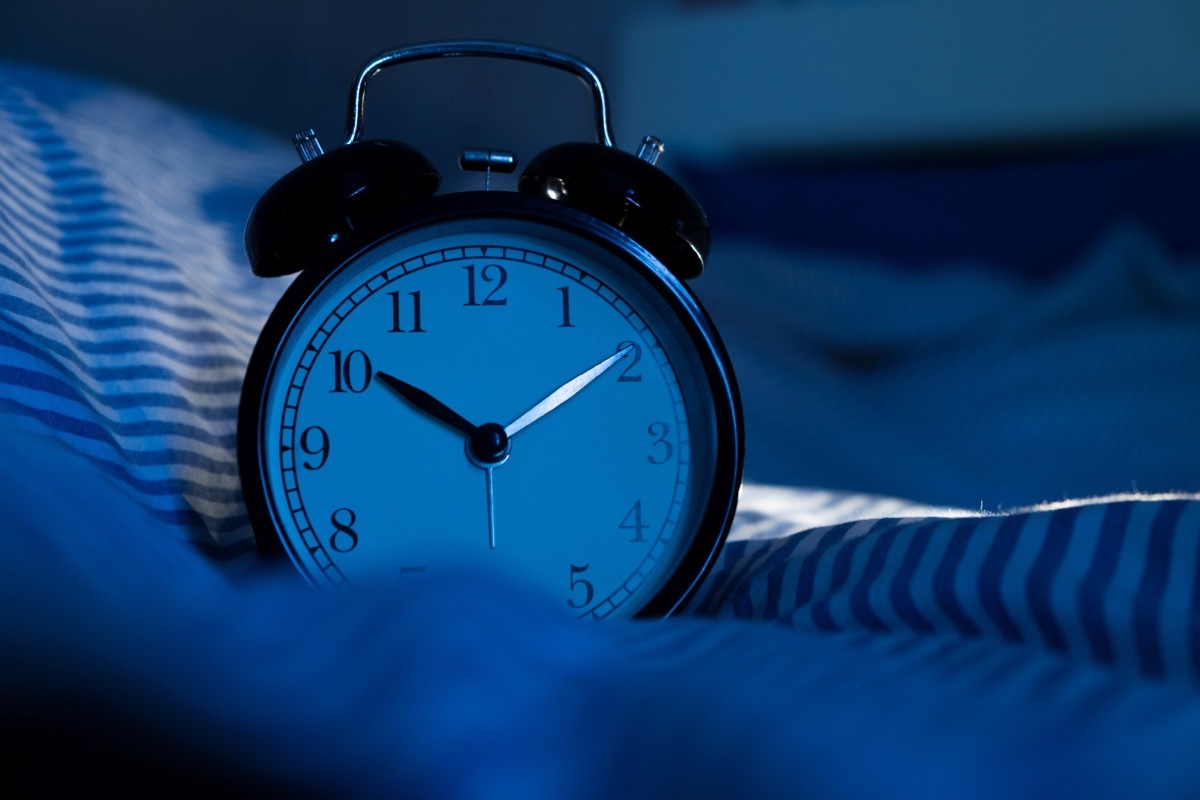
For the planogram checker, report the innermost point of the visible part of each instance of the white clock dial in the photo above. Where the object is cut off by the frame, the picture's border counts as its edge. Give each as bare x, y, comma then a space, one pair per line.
495, 393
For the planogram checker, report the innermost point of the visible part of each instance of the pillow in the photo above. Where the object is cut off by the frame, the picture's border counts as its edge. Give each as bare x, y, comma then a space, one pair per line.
127, 312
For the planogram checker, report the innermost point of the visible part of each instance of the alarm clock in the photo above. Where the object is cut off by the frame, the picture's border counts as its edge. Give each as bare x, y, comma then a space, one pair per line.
517, 382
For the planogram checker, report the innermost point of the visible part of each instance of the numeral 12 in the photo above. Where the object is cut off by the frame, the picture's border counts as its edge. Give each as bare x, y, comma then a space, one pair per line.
491, 273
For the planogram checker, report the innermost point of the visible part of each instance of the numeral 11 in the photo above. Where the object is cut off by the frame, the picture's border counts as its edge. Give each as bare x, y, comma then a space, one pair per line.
416, 313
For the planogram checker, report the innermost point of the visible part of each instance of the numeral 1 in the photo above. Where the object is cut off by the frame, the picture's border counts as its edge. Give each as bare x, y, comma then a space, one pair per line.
566, 307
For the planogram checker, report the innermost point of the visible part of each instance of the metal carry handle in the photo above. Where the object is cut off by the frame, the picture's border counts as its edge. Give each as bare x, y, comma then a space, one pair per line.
490, 49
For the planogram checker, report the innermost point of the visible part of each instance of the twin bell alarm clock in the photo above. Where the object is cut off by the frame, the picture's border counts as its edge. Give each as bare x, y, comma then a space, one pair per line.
510, 381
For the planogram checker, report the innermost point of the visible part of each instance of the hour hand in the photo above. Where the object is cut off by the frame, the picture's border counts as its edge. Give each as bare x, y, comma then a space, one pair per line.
427, 404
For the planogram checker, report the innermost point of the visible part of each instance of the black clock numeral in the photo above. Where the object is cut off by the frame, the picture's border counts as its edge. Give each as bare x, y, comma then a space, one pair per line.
660, 431
397, 327
315, 442
353, 373
491, 273
589, 591
633, 522
411, 571
344, 537
566, 307
631, 362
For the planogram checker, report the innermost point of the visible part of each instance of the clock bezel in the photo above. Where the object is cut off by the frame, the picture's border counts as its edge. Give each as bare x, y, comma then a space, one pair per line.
345, 246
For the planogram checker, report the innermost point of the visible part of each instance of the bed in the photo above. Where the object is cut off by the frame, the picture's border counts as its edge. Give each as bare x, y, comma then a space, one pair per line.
965, 563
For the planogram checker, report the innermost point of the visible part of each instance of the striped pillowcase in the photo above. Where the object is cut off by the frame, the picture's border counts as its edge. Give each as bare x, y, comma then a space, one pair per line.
127, 313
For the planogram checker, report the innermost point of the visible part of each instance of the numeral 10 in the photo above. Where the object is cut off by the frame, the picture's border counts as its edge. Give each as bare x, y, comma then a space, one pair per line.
352, 373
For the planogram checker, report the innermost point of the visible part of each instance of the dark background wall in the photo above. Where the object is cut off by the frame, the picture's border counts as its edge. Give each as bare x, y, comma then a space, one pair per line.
287, 65
854, 77
724, 78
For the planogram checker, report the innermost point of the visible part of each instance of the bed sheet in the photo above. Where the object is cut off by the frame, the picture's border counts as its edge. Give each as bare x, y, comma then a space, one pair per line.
846, 643
966, 385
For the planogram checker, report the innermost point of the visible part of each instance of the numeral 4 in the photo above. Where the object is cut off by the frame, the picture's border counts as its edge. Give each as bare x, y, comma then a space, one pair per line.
633, 522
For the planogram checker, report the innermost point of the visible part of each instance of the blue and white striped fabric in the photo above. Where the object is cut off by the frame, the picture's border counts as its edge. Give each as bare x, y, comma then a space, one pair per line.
845, 645
127, 312
1114, 582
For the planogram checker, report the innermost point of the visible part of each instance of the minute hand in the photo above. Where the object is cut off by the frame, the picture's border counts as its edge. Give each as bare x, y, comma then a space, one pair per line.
564, 393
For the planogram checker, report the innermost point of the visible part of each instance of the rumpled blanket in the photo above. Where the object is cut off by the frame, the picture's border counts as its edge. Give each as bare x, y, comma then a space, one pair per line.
1001, 633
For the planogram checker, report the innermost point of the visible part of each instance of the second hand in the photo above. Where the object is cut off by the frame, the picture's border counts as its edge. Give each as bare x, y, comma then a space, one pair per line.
487, 448
491, 511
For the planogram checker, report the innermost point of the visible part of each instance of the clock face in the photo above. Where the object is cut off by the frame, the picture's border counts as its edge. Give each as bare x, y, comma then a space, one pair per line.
495, 393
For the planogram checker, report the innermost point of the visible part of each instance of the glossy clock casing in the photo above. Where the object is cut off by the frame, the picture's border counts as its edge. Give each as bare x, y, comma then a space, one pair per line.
714, 518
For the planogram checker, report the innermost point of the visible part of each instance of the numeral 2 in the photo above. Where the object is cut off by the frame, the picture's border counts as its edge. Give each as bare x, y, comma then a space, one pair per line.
631, 362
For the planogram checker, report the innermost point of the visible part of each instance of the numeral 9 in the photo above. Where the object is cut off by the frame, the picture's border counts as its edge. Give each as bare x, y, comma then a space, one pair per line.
315, 442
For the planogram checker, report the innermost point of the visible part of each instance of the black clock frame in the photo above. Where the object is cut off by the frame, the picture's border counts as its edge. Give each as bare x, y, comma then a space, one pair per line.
349, 238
